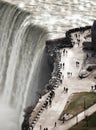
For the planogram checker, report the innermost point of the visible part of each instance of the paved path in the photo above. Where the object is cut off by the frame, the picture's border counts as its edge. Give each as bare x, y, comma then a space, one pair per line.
73, 83
68, 124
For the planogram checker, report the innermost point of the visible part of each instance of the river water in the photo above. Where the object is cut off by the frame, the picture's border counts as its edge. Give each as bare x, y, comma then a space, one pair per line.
59, 16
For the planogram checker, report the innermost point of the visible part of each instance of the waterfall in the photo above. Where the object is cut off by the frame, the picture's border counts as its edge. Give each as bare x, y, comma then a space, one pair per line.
14, 60
23, 64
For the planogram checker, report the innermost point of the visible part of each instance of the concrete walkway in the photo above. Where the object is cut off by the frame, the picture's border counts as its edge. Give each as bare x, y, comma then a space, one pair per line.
74, 84
68, 124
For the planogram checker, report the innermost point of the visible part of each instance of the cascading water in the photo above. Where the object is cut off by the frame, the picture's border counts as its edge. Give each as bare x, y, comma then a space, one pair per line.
14, 60
23, 64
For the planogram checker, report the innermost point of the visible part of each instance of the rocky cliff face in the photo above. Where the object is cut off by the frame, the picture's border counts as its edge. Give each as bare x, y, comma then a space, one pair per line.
93, 34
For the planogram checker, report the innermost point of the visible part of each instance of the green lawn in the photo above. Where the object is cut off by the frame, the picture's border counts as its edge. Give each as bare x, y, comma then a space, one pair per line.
89, 124
78, 102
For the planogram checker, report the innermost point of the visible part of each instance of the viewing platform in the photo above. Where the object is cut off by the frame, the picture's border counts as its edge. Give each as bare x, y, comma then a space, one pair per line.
72, 77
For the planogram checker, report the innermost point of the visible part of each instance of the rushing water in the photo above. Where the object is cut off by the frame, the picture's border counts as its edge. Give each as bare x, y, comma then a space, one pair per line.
24, 70
23, 64
60, 15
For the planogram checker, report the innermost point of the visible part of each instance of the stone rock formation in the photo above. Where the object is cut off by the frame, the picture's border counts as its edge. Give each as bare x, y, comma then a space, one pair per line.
93, 33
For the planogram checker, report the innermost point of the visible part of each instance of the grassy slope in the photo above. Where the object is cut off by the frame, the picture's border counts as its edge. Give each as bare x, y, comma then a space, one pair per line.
83, 124
76, 104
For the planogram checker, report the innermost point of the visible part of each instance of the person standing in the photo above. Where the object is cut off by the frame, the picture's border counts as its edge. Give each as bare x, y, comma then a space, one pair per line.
40, 127
50, 102
64, 89
63, 119
55, 124
95, 86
